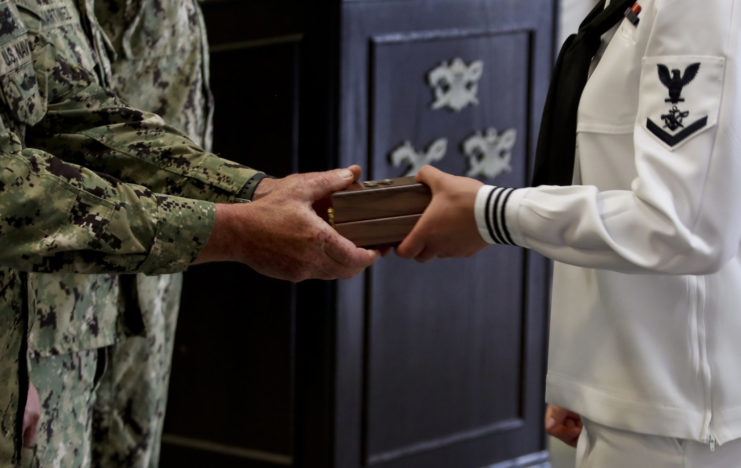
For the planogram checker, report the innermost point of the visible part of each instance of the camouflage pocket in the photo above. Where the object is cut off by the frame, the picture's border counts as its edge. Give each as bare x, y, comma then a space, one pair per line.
19, 88
71, 312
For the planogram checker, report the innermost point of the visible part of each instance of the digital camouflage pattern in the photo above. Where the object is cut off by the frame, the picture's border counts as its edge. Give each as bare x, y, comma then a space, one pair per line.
132, 397
160, 61
11, 331
88, 184
66, 385
160, 64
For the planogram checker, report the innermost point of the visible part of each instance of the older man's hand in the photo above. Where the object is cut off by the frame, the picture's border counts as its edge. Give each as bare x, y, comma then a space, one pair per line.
281, 235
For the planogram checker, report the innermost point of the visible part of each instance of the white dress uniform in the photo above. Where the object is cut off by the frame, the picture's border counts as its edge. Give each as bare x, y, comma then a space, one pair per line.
646, 308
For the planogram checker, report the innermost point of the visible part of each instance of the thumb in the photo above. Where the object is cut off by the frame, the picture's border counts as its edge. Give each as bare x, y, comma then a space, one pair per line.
555, 415
356, 170
323, 184
430, 176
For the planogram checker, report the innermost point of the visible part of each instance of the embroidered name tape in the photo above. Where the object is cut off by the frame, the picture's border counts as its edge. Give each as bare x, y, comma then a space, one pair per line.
56, 15
15, 49
14, 54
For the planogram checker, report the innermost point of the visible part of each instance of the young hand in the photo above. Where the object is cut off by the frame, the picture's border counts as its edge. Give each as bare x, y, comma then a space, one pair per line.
563, 424
448, 226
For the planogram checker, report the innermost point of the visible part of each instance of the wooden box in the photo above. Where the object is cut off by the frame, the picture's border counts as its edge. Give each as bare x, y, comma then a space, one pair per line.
378, 212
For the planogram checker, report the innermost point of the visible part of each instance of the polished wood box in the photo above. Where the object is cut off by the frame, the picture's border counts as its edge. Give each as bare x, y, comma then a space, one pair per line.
379, 212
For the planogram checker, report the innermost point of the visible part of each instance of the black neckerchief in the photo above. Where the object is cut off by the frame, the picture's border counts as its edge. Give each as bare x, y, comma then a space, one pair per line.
554, 157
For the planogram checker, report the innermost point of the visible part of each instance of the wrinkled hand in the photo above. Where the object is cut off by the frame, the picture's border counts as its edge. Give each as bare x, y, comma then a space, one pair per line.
448, 226
280, 234
563, 424
31, 416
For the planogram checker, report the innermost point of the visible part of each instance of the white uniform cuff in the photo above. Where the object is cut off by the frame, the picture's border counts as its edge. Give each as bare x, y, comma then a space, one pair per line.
490, 211
479, 210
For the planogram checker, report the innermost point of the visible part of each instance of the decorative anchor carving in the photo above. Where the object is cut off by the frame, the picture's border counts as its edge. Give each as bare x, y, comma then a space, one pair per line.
456, 84
489, 154
406, 153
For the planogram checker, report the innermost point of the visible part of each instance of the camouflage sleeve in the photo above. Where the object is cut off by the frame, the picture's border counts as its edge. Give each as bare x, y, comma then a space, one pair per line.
100, 132
11, 350
85, 124
58, 216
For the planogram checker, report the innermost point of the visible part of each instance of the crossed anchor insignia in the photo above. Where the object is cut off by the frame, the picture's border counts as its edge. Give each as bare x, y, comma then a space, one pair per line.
673, 120
489, 153
406, 154
675, 82
456, 84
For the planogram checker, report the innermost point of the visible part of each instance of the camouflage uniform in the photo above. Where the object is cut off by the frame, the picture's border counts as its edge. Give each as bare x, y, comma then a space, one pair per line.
160, 64
88, 184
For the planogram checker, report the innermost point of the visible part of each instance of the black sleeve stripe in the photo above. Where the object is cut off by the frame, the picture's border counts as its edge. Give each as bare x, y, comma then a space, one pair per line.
507, 236
495, 219
495, 216
488, 216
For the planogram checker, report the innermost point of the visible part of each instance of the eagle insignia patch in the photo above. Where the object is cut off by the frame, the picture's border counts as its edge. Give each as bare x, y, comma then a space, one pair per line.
673, 130
686, 104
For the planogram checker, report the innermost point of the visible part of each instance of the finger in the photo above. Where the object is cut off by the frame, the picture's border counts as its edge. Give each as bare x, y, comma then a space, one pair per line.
29, 433
322, 205
556, 413
551, 424
356, 170
31, 416
348, 260
384, 251
566, 434
572, 437
425, 256
563, 430
414, 243
322, 184
411, 246
340, 270
430, 176
554, 418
